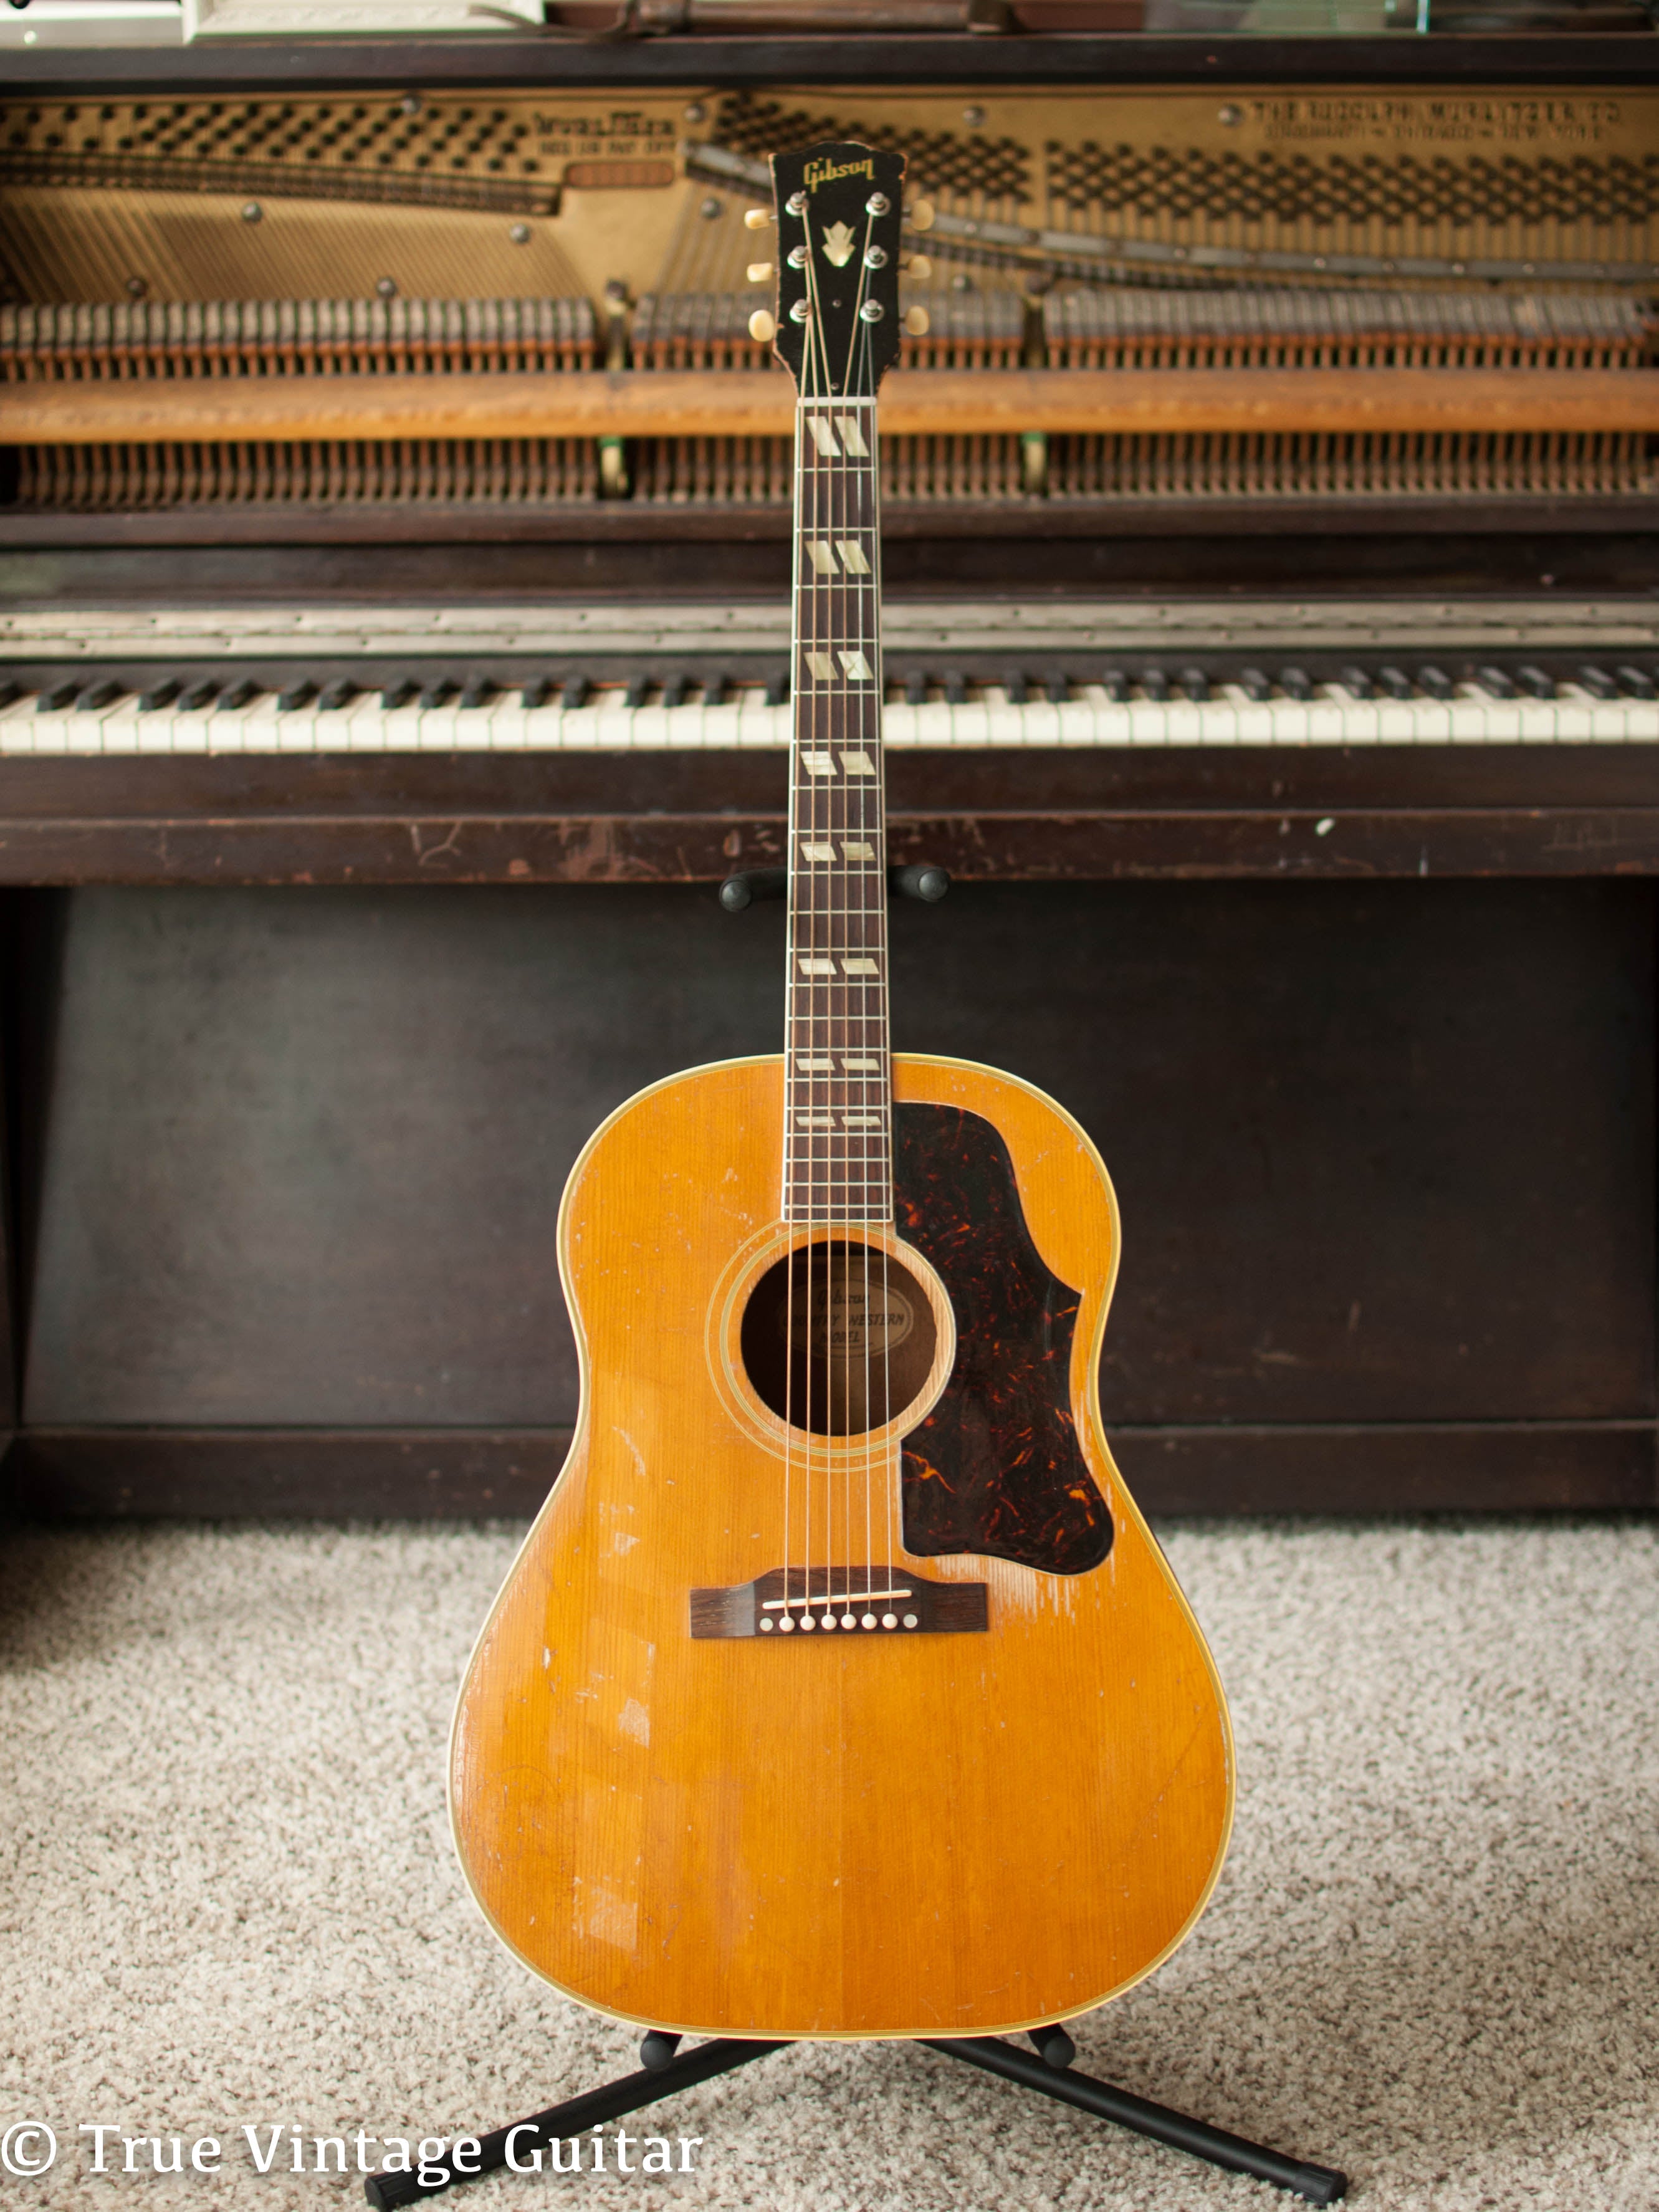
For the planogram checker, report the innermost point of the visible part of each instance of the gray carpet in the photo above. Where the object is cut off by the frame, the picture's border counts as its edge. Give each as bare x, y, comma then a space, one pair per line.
228, 1897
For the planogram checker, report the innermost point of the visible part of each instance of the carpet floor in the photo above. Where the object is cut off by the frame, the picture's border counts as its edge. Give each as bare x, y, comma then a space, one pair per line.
227, 1898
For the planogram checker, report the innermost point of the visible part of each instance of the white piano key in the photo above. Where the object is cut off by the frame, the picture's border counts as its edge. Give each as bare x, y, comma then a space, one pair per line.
17, 724
189, 734
653, 726
759, 725
610, 727
473, 728
399, 727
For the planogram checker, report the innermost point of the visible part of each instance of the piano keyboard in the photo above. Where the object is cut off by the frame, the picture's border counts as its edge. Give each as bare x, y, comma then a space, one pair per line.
1121, 676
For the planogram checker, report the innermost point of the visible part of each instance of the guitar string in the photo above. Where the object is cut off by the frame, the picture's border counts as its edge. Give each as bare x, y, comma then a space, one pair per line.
817, 999
871, 909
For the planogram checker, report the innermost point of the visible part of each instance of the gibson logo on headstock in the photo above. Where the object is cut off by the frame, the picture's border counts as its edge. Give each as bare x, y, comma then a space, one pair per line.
825, 173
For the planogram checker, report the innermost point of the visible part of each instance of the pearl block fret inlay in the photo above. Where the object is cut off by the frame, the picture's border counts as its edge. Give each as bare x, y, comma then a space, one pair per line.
838, 1163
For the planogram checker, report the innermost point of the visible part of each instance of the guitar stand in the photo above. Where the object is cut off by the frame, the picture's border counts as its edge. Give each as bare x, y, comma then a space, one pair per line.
665, 2073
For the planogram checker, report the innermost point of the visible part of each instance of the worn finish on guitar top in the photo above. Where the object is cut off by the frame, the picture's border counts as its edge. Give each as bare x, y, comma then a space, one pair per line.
949, 1834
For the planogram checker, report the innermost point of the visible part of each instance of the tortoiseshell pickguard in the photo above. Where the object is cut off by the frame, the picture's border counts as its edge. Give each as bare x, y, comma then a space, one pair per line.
995, 1468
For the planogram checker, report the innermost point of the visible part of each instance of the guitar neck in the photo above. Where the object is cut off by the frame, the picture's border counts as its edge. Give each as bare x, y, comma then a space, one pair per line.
837, 1088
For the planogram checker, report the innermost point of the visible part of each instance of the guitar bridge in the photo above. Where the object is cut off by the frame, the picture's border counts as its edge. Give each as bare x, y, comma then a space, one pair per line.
790, 1602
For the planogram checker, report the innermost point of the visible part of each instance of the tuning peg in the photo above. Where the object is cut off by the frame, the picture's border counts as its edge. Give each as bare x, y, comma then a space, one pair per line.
756, 218
918, 266
921, 215
759, 271
917, 322
762, 328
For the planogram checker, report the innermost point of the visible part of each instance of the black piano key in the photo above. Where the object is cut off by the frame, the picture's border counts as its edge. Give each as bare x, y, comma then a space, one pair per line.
405, 689
1254, 684
955, 688
158, 695
1115, 685
300, 693
10, 691
478, 692
1357, 682
1056, 687
1435, 684
1155, 684
638, 685
535, 693
716, 688
338, 695
1534, 681
1635, 684
197, 697
1296, 683
1196, 684
576, 693
98, 696
675, 685
1016, 687
57, 696
1497, 684
1599, 682
915, 688
777, 687
1396, 683
242, 693
438, 692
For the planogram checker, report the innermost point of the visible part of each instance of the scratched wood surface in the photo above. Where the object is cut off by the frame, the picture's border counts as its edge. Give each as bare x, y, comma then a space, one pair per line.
1034, 812
950, 1835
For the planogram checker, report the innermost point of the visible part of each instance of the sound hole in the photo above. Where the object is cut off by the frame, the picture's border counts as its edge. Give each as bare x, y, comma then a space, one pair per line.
838, 1338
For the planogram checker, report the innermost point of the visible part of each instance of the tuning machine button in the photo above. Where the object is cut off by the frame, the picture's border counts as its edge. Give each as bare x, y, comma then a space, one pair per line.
756, 218
921, 215
920, 267
759, 271
762, 326
917, 322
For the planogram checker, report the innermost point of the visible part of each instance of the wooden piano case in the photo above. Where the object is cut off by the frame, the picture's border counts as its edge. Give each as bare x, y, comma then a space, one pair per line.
298, 1049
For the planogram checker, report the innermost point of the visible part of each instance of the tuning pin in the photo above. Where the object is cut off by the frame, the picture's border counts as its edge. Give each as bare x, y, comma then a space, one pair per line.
921, 215
756, 218
920, 267
759, 271
762, 326
916, 321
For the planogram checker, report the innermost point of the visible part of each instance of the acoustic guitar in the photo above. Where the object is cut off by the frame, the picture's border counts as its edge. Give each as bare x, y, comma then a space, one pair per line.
840, 1689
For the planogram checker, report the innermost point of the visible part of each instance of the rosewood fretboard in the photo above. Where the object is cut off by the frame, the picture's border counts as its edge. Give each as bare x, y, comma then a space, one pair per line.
837, 1147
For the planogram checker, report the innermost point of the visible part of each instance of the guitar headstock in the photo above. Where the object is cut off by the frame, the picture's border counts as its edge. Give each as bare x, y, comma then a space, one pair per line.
839, 210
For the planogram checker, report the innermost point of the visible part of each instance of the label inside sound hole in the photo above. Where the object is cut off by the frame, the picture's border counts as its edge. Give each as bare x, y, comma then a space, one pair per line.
849, 1313
838, 1338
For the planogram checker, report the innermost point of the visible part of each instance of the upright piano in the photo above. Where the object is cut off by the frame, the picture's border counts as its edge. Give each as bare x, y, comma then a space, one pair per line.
394, 660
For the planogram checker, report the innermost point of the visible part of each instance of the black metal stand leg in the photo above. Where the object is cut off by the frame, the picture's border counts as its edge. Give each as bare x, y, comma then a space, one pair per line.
1048, 2073
631, 2094
1319, 2184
